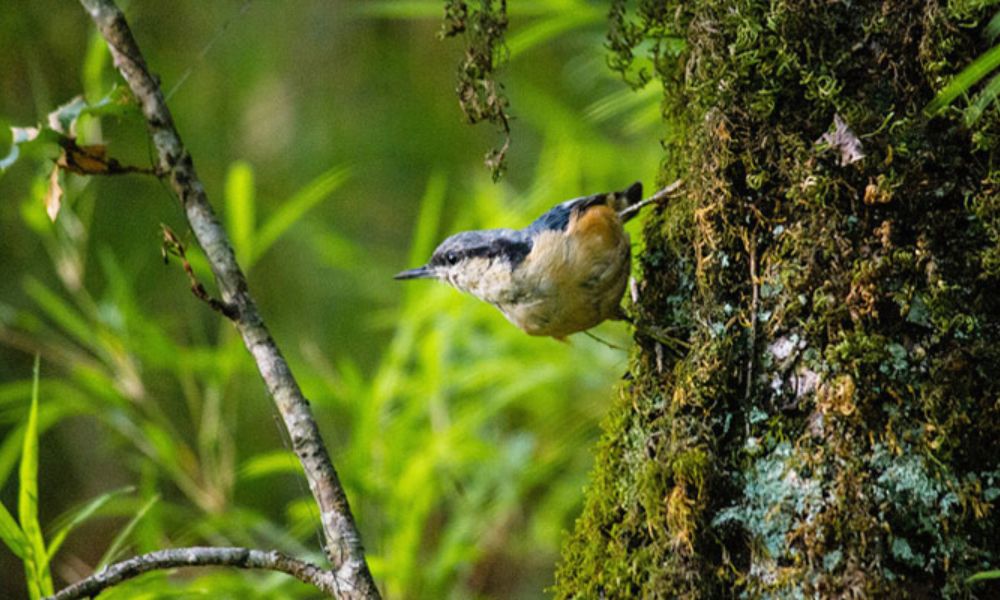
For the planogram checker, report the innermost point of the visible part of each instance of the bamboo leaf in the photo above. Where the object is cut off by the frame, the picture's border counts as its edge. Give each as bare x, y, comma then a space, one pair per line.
993, 28
60, 311
241, 217
27, 503
270, 463
968, 77
984, 576
78, 517
429, 219
119, 541
296, 207
544, 30
983, 99
11, 534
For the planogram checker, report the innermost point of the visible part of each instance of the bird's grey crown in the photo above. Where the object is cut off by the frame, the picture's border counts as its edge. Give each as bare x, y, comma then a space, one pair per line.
510, 245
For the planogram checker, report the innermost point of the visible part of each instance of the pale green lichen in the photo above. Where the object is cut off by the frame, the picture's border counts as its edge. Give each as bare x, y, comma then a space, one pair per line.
775, 497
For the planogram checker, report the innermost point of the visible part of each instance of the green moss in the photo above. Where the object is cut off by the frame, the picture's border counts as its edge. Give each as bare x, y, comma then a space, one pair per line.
835, 427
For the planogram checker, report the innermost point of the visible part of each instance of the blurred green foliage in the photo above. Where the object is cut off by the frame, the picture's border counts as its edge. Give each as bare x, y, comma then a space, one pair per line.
330, 141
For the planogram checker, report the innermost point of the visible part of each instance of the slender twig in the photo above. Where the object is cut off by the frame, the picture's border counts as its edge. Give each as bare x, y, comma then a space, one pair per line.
172, 246
657, 198
243, 558
343, 542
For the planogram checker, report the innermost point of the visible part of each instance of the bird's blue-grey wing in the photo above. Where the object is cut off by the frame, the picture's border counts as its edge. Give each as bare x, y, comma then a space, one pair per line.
558, 217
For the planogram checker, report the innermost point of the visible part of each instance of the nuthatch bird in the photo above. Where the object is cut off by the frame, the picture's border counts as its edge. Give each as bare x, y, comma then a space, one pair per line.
564, 273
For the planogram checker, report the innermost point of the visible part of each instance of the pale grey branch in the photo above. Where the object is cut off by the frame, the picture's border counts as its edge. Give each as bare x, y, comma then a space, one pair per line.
343, 543
658, 198
242, 558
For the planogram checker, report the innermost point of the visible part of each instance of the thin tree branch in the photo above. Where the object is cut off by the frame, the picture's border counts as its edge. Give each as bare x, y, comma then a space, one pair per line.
659, 198
243, 558
343, 542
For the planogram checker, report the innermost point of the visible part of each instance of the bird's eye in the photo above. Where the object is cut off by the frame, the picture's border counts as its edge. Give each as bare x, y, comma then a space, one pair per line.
451, 257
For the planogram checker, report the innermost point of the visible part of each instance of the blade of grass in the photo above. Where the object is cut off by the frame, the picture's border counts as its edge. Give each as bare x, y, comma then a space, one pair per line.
27, 503
993, 28
298, 205
984, 576
78, 517
10, 447
95, 60
241, 217
983, 99
61, 312
968, 77
429, 218
279, 462
543, 31
11, 534
119, 541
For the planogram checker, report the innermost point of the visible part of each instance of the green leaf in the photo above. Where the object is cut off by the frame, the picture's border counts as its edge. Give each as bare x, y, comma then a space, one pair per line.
425, 235
993, 27
60, 311
983, 99
11, 534
270, 463
94, 63
78, 517
10, 446
544, 30
296, 207
337, 251
27, 502
984, 576
119, 541
241, 218
116, 103
968, 77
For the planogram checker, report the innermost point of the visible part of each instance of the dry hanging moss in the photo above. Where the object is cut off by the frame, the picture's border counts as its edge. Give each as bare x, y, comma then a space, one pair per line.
834, 429
480, 94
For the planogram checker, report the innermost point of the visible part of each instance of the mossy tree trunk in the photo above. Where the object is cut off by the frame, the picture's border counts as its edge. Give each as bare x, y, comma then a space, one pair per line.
834, 428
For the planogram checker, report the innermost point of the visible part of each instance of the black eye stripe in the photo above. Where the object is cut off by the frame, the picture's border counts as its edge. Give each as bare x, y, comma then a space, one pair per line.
507, 245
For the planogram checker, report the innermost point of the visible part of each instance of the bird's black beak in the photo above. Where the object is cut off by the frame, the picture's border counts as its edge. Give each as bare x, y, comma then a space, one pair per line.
423, 272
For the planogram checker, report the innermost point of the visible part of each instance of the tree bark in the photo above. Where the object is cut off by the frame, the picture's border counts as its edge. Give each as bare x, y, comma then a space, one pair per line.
834, 429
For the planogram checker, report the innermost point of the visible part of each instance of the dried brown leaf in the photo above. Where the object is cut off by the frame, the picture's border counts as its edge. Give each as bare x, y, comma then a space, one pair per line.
53, 198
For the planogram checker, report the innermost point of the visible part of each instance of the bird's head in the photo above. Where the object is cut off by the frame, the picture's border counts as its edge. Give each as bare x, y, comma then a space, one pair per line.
478, 262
